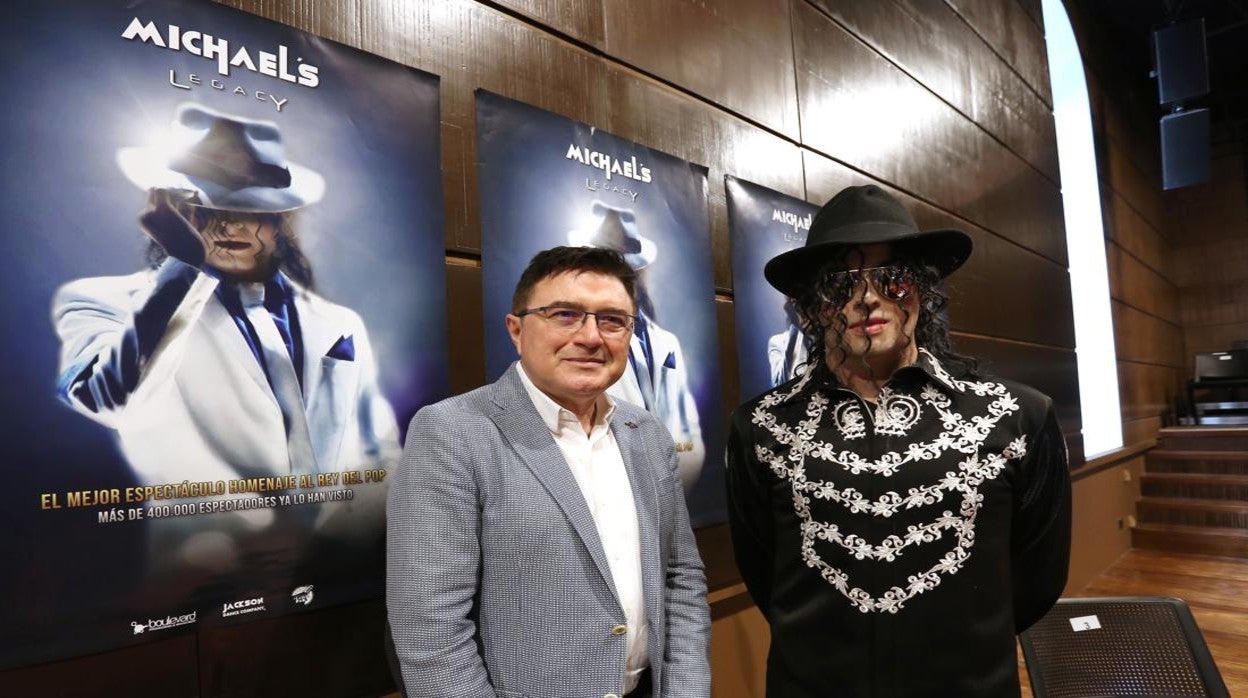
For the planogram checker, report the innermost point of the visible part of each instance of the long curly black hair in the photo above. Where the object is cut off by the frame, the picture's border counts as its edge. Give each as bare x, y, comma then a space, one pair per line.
834, 290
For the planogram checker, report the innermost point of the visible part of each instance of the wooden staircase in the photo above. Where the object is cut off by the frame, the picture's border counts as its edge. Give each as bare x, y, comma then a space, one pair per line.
1195, 492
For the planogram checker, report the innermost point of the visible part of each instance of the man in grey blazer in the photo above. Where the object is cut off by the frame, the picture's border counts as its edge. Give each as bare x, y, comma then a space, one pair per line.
538, 541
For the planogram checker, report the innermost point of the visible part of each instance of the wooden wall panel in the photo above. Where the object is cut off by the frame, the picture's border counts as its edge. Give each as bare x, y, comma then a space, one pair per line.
1214, 304
736, 53
739, 644
1211, 212
467, 326
1030, 294
1212, 338
1141, 190
858, 108
1135, 431
1130, 231
1100, 520
472, 46
1212, 263
579, 19
1144, 338
1147, 390
939, 50
1137, 285
1016, 36
1050, 370
1134, 131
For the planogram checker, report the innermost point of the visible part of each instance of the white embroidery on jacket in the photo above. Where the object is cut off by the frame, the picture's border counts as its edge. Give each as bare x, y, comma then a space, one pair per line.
794, 444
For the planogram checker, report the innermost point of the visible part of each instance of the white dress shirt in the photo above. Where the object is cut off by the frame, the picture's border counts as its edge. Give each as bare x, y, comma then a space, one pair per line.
595, 462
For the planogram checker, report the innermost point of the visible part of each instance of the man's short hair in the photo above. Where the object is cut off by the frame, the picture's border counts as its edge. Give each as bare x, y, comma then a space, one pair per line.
558, 260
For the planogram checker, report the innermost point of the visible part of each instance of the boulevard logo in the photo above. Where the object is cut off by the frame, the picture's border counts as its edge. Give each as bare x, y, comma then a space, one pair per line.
154, 624
238, 608
302, 595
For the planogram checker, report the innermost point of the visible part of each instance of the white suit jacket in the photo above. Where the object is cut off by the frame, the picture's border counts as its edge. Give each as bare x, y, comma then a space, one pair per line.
673, 405
198, 407
202, 408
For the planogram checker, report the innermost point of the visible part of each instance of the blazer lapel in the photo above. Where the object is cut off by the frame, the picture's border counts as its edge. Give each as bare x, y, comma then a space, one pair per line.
524, 429
221, 326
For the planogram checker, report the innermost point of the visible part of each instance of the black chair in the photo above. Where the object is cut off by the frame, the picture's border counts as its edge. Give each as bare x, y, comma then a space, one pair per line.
1119, 646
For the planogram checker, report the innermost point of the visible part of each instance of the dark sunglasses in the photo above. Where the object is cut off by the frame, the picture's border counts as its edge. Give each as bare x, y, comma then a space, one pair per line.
893, 281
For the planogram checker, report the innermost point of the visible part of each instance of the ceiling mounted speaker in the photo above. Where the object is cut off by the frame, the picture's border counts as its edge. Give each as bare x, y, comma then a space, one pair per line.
1182, 66
1185, 148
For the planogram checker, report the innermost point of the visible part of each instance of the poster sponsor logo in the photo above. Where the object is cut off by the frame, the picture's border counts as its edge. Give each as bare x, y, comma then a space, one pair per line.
197, 43
610, 166
302, 595
154, 624
238, 608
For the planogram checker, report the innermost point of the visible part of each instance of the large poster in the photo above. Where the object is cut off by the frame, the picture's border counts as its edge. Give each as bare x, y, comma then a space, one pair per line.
225, 298
771, 348
547, 180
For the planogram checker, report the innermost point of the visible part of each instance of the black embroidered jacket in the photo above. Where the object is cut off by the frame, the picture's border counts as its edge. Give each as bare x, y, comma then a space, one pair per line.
897, 547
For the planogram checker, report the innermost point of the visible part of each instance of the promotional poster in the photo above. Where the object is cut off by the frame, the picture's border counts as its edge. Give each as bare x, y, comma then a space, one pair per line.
546, 181
764, 223
225, 299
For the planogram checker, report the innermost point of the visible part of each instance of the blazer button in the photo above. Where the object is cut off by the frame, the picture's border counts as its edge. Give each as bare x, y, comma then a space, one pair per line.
619, 630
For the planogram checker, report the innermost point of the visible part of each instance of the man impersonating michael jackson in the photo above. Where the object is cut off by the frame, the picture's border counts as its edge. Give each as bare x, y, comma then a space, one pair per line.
897, 516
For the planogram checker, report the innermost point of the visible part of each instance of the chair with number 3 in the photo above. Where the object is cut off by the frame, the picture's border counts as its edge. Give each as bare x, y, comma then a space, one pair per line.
1119, 646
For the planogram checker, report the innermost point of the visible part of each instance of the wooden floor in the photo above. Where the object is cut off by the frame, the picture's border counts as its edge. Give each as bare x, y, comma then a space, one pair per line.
1216, 589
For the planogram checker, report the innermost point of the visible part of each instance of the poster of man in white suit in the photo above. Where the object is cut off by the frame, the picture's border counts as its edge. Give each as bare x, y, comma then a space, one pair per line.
228, 299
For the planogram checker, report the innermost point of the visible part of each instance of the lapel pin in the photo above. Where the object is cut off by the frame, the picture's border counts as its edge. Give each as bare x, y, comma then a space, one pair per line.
631, 425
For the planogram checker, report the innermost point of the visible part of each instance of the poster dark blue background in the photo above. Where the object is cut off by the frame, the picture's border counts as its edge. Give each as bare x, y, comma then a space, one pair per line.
77, 93
764, 223
533, 195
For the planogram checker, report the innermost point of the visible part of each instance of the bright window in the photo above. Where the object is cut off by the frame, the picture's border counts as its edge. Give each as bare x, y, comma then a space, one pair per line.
1085, 237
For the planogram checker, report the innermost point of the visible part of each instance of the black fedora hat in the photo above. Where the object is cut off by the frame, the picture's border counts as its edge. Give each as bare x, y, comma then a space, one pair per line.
862, 216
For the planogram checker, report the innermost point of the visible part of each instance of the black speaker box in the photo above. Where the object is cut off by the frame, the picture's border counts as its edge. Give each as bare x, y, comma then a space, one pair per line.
1182, 66
1185, 148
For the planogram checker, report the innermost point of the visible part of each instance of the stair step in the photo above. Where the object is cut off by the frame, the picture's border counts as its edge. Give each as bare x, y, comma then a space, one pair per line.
1204, 438
1194, 486
1212, 462
1215, 513
1202, 540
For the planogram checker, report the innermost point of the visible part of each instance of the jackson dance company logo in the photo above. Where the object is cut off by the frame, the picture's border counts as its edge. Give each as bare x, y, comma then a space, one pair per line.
302, 595
208, 46
238, 608
610, 166
154, 624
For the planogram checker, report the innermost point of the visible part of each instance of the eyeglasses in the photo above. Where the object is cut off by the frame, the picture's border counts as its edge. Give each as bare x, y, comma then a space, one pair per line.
570, 320
894, 281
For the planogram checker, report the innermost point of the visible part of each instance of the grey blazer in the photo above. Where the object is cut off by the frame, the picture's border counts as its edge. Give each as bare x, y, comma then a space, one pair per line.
496, 580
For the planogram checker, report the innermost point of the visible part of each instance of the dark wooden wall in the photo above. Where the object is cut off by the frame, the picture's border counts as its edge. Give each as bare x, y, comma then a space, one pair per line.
944, 103
1210, 223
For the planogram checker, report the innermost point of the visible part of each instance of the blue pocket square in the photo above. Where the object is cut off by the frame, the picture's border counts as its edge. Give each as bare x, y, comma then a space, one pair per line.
343, 349
670, 361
